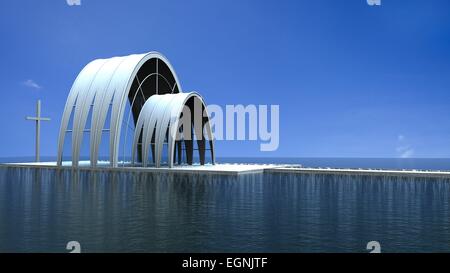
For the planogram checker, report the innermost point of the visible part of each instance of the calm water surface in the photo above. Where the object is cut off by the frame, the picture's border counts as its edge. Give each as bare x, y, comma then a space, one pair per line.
41, 210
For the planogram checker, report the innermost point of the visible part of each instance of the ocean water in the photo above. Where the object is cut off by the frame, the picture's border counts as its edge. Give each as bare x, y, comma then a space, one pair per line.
42, 210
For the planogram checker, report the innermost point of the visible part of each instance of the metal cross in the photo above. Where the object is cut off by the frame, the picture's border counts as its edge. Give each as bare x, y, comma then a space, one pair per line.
38, 120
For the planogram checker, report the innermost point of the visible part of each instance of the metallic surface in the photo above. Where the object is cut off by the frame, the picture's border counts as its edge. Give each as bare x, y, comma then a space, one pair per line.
38, 120
103, 86
160, 121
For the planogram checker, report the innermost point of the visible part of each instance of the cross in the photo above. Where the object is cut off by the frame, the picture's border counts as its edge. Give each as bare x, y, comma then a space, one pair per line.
38, 120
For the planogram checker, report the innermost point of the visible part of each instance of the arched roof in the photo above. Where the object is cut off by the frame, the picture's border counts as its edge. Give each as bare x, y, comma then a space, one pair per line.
110, 83
160, 116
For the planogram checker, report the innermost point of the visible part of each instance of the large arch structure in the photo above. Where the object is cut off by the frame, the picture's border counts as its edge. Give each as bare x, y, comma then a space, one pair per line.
102, 90
172, 119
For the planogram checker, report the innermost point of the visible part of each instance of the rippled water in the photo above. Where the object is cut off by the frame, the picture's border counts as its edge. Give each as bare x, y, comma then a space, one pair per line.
41, 210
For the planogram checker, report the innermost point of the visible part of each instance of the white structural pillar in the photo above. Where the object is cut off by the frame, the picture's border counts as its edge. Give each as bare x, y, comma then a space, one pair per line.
38, 120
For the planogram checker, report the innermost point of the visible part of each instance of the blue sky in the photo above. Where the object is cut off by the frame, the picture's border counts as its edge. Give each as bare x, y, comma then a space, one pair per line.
351, 80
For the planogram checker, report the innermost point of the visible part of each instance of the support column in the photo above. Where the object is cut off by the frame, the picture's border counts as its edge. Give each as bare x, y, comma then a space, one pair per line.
180, 151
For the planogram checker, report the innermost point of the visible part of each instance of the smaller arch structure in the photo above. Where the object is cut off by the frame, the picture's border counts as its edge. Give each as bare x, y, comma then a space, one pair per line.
177, 121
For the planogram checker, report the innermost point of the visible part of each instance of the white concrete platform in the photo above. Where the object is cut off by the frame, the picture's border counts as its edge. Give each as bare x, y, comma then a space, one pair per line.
224, 168
235, 169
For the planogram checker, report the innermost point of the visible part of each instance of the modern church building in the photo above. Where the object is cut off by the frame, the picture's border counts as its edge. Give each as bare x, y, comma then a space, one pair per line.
133, 107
